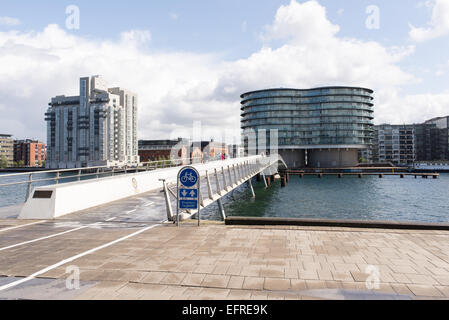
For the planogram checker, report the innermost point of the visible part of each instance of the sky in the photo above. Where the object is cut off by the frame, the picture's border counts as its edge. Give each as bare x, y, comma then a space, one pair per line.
191, 60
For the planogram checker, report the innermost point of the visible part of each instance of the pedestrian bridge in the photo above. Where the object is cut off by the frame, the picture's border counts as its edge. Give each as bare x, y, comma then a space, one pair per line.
218, 178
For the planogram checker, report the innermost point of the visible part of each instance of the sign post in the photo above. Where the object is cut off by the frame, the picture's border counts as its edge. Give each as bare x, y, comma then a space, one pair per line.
188, 191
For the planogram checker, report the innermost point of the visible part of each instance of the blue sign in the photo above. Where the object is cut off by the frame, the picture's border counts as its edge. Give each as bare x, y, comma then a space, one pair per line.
188, 188
188, 204
188, 178
188, 193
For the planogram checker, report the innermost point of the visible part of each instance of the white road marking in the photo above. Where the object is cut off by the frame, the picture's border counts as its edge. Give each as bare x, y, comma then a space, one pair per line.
148, 204
131, 211
22, 225
52, 236
34, 275
111, 219
43, 238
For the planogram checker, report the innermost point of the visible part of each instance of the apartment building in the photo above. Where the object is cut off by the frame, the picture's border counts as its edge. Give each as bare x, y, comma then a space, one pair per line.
96, 128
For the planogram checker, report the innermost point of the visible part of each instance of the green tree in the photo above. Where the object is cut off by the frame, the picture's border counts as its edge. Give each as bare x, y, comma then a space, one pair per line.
21, 163
3, 162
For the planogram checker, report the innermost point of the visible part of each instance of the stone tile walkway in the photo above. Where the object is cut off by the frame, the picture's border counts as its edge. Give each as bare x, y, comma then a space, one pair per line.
226, 262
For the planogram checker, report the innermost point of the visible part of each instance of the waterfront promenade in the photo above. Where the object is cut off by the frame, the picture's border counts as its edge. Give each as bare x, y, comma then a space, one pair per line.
123, 252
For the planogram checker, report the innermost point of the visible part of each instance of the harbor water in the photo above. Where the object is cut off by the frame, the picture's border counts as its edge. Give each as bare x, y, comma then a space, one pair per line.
349, 198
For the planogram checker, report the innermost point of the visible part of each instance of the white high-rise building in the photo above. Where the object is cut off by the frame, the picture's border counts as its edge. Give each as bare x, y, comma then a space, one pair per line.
96, 128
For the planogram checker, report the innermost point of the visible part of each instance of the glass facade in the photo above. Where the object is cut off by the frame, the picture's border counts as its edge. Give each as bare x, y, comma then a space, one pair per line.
331, 116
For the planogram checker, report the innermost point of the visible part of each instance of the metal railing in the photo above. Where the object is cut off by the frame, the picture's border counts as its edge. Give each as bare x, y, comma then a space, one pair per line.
63, 175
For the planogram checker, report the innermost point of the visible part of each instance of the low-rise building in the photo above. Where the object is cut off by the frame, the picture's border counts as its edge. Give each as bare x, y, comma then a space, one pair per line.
155, 150
29, 153
6, 150
394, 143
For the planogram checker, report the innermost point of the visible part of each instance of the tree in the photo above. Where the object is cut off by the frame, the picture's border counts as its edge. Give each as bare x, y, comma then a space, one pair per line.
21, 163
3, 162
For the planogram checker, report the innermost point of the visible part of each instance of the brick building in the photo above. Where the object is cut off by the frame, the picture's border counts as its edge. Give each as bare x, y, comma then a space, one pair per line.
29, 153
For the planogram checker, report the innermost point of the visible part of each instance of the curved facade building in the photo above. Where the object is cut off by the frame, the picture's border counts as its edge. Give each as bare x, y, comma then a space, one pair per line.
320, 128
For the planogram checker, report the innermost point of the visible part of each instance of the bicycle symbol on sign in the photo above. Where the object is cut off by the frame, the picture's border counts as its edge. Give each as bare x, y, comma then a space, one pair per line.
188, 177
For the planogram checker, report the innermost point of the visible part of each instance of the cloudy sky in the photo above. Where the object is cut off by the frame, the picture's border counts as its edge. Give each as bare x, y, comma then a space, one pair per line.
191, 60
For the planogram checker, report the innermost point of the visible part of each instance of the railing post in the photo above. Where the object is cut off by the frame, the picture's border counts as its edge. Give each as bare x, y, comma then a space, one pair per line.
217, 182
224, 179
98, 173
200, 194
235, 175
57, 177
209, 186
79, 175
230, 177
167, 201
30, 182
113, 171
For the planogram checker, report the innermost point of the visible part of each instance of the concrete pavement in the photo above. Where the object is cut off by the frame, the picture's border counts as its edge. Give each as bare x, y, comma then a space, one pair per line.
224, 262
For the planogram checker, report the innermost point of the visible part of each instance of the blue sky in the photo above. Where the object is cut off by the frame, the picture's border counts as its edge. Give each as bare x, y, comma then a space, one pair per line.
232, 30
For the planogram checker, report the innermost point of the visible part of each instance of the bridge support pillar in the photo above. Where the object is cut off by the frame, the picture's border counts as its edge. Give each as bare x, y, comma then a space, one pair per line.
251, 187
265, 180
268, 182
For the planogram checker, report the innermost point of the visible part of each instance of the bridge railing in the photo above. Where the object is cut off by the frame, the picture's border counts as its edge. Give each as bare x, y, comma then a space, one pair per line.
49, 177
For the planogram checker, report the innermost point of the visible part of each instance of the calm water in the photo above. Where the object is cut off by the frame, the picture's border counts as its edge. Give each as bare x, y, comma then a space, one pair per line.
16, 194
370, 198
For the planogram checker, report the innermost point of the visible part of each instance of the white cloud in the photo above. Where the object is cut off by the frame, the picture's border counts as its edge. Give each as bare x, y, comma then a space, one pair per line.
136, 37
301, 22
8, 21
176, 88
438, 25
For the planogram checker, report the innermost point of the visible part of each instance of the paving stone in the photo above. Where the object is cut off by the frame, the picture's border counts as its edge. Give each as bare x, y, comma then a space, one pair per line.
425, 291
215, 281
275, 284
253, 283
193, 279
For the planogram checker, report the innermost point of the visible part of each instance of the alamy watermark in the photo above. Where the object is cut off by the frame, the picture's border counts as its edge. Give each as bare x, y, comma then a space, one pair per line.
72, 21
373, 280
373, 20
73, 280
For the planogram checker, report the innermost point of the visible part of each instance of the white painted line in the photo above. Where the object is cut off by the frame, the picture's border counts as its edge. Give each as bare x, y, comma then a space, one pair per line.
34, 275
51, 236
43, 238
22, 225
111, 219
148, 204
131, 211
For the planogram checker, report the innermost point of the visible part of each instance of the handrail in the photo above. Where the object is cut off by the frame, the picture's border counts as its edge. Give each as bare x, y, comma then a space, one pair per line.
86, 168
98, 171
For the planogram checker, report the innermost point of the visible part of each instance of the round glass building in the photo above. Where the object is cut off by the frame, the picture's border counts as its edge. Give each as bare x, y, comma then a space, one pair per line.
319, 128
